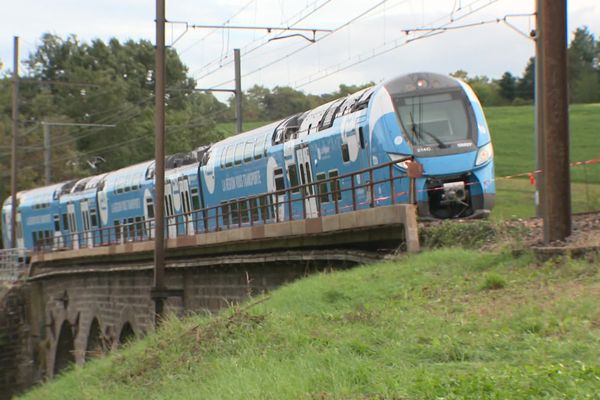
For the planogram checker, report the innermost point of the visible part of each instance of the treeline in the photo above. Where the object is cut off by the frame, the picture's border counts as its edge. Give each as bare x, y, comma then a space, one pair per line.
108, 83
583, 74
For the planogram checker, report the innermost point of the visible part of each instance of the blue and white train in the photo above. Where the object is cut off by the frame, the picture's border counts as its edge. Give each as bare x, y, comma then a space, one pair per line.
429, 118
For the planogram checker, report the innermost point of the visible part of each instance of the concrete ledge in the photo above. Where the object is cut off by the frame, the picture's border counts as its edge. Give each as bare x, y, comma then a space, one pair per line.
330, 223
297, 234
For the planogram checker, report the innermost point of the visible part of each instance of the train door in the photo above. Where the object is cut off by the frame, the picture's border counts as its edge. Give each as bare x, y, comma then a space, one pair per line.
19, 231
306, 178
72, 225
57, 242
171, 221
186, 204
149, 212
274, 203
85, 218
94, 227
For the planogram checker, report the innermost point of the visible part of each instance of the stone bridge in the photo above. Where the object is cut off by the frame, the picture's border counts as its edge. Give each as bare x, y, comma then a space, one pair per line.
76, 304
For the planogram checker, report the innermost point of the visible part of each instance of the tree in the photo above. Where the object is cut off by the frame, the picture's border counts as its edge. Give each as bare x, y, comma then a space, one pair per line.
525, 88
508, 85
106, 83
121, 78
584, 72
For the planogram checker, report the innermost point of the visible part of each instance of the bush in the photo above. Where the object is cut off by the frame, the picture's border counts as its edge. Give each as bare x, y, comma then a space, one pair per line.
470, 235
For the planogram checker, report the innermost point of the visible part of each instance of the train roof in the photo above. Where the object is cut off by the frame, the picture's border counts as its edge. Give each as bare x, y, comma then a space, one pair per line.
248, 135
420, 81
187, 169
36, 196
134, 175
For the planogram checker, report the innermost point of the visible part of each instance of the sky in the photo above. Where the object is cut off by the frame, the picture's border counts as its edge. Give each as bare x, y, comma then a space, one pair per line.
372, 40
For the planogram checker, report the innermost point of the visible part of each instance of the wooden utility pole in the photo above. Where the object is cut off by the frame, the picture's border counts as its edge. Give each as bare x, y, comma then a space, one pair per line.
15, 134
159, 292
539, 129
159, 166
555, 115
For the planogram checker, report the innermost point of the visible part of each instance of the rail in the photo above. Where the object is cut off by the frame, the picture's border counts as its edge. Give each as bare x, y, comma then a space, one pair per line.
12, 263
383, 184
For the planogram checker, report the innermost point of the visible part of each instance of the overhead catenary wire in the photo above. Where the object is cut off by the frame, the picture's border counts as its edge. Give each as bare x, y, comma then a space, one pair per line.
395, 44
227, 21
355, 18
247, 49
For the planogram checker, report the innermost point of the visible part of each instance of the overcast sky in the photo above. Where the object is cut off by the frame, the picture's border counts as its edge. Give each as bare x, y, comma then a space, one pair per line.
349, 55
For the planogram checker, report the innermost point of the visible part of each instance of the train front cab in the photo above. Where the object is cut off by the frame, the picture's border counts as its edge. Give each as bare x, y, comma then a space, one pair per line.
442, 126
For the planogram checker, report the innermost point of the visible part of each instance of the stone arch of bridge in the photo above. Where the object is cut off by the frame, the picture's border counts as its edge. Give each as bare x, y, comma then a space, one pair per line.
65, 348
127, 333
97, 343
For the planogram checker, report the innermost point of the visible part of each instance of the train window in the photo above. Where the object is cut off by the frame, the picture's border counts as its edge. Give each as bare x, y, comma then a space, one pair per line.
225, 213
330, 114
303, 179
293, 174
150, 207
335, 184
171, 209
361, 137
244, 210
233, 209
86, 221
279, 182
266, 145
56, 220
65, 222
239, 153
309, 178
94, 217
323, 187
248, 149
195, 199
345, 152
149, 175
229, 156
254, 205
258, 148
222, 158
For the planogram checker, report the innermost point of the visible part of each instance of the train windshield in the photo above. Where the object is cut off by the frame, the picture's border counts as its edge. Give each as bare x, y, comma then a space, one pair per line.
436, 120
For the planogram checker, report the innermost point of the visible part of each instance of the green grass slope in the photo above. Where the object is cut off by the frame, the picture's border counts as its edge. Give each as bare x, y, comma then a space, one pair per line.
448, 324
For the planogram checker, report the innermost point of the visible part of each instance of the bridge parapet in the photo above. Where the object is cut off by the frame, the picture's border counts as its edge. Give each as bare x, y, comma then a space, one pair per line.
396, 223
13, 263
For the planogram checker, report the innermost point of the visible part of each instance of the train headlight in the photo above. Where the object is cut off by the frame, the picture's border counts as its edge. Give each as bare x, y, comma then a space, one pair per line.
484, 154
401, 159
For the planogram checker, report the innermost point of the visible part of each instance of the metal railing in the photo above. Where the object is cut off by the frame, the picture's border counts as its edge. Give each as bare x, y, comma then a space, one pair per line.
13, 264
309, 200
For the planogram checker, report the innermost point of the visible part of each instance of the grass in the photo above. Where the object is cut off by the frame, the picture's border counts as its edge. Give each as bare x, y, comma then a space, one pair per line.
447, 324
513, 136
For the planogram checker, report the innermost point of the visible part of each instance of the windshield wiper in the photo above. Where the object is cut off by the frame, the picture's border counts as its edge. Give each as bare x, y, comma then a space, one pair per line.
416, 134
